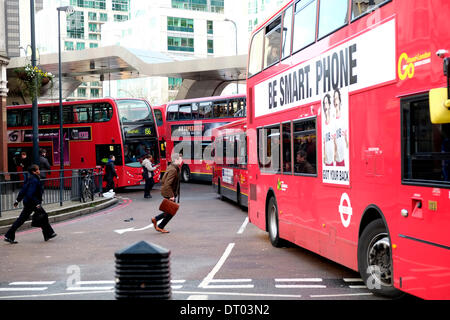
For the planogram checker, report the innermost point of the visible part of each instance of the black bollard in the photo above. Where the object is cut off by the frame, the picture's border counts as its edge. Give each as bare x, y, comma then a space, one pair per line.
143, 272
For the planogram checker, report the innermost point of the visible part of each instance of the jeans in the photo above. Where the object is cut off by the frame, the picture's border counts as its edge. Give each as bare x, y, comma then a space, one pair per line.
28, 209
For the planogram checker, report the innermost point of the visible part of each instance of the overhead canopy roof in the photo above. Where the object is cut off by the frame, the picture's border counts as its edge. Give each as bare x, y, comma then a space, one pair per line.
119, 63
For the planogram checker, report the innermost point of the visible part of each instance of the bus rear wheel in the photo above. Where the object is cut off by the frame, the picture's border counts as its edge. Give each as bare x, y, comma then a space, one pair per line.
272, 224
185, 174
375, 260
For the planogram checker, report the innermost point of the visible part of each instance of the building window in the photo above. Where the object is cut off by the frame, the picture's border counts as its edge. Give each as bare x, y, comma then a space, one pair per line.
95, 93
93, 45
68, 46
120, 5
180, 24
92, 16
210, 46
75, 25
210, 27
180, 44
92, 4
80, 46
81, 92
216, 6
103, 17
120, 17
175, 83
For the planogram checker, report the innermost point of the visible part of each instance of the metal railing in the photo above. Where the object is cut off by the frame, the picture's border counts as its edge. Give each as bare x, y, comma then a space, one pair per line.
71, 187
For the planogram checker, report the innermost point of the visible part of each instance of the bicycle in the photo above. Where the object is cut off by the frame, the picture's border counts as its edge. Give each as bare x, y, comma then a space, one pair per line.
87, 185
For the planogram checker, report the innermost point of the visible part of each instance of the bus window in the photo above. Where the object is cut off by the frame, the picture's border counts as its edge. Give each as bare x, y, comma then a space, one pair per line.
304, 24
172, 112
26, 117
184, 112
82, 114
205, 110
287, 33
272, 43
360, 7
220, 109
256, 51
426, 146
67, 114
195, 111
333, 15
305, 147
287, 137
134, 111
269, 149
158, 117
102, 112
13, 117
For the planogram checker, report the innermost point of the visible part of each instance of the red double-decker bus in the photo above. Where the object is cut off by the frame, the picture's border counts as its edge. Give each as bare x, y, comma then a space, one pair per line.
160, 117
346, 162
189, 130
93, 130
230, 175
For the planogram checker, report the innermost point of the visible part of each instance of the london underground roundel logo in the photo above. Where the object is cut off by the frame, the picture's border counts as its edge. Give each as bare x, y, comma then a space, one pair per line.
345, 210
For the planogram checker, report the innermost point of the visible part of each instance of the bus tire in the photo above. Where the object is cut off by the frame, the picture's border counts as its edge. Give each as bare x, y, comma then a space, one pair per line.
272, 224
375, 260
185, 174
238, 196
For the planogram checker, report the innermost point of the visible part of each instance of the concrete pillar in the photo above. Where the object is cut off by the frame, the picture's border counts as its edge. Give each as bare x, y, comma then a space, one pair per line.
3, 133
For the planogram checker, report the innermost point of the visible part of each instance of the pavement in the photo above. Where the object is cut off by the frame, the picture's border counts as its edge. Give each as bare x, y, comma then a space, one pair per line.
58, 213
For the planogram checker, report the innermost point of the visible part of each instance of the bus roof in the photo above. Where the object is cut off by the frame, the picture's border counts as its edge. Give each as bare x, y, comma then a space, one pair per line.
206, 99
49, 104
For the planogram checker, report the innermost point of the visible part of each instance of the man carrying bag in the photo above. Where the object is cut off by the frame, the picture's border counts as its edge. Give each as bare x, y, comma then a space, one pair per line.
31, 194
170, 190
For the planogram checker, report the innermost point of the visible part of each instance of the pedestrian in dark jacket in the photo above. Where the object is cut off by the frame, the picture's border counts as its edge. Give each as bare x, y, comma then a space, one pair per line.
44, 164
31, 194
170, 190
110, 173
148, 174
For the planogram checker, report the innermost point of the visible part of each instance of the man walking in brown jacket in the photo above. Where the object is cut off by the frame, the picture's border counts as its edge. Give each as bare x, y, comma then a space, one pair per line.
170, 190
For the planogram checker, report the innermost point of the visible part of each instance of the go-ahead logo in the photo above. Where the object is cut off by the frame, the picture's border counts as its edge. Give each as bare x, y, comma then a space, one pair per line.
407, 65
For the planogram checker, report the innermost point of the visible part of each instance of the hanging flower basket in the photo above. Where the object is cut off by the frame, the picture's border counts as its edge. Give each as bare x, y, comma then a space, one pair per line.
32, 79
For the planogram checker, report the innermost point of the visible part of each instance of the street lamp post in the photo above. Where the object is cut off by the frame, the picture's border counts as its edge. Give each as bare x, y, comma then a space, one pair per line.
236, 39
68, 10
34, 109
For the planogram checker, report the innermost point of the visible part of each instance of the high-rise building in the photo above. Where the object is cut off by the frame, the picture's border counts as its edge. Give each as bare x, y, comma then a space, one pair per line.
80, 30
17, 25
172, 30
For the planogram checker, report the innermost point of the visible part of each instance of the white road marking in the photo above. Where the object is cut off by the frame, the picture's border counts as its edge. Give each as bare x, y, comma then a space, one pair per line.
340, 295
244, 225
353, 280
198, 297
299, 286
89, 288
122, 231
357, 287
217, 267
300, 280
241, 294
23, 289
96, 282
231, 280
54, 294
31, 283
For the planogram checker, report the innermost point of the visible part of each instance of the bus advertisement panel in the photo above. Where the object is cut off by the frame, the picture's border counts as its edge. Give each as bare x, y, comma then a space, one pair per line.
92, 131
346, 161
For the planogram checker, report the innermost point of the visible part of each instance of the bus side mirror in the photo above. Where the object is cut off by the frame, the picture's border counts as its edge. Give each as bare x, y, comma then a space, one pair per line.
439, 106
